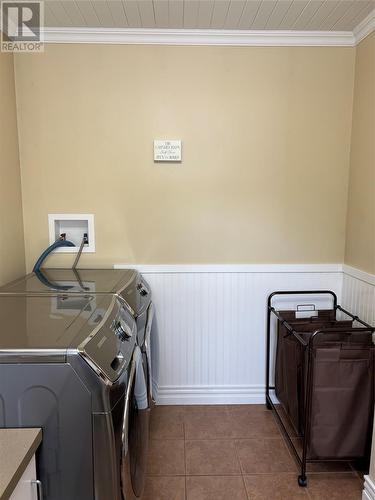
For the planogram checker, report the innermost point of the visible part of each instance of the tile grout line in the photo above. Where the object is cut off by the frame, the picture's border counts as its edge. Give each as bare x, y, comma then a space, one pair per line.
308, 495
242, 471
239, 461
217, 439
184, 431
286, 445
357, 473
237, 474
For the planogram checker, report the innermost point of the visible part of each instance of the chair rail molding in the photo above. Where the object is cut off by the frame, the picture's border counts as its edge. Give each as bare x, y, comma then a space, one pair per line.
232, 268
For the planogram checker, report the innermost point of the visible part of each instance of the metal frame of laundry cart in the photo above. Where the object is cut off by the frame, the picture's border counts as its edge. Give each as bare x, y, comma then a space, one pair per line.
308, 348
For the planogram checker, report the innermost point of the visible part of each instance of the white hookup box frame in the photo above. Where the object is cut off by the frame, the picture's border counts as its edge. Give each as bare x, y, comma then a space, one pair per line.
74, 226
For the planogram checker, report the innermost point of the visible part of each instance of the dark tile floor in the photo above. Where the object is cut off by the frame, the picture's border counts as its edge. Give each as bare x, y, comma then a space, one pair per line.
233, 453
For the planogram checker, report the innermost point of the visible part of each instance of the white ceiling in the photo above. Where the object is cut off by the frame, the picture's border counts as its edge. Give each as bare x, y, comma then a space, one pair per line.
309, 15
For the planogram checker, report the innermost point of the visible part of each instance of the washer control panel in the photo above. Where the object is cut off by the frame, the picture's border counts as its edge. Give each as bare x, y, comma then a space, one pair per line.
110, 346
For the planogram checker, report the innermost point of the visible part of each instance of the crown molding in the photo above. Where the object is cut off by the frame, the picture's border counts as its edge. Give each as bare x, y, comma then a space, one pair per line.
200, 37
364, 28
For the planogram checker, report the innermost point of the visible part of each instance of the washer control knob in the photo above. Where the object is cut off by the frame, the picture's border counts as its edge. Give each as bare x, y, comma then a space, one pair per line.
142, 289
122, 330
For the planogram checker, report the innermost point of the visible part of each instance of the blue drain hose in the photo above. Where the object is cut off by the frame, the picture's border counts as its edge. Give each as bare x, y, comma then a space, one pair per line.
58, 243
50, 284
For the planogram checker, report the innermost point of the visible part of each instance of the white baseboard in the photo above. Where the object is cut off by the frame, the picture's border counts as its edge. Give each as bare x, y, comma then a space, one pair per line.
368, 492
191, 395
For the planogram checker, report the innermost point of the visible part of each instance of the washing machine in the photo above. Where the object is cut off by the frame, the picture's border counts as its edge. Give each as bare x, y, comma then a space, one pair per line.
126, 283
70, 364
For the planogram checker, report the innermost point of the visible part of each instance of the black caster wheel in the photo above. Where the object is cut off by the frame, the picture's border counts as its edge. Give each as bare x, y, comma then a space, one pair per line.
302, 481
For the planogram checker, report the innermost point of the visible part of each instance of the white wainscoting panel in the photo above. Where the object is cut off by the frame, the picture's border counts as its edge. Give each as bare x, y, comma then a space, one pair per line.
358, 293
368, 492
210, 327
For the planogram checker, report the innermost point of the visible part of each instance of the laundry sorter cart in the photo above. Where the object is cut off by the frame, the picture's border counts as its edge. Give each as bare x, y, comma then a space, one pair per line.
324, 379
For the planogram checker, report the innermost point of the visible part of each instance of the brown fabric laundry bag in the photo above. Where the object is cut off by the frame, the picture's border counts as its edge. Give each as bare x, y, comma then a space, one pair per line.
290, 360
342, 401
342, 398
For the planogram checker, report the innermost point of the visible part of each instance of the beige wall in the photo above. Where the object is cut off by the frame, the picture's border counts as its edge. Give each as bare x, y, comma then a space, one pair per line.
360, 236
265, 131
360, 239
12, 252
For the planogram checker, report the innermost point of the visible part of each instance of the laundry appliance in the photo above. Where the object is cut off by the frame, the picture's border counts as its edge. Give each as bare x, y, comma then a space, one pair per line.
70, 364
126, 283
